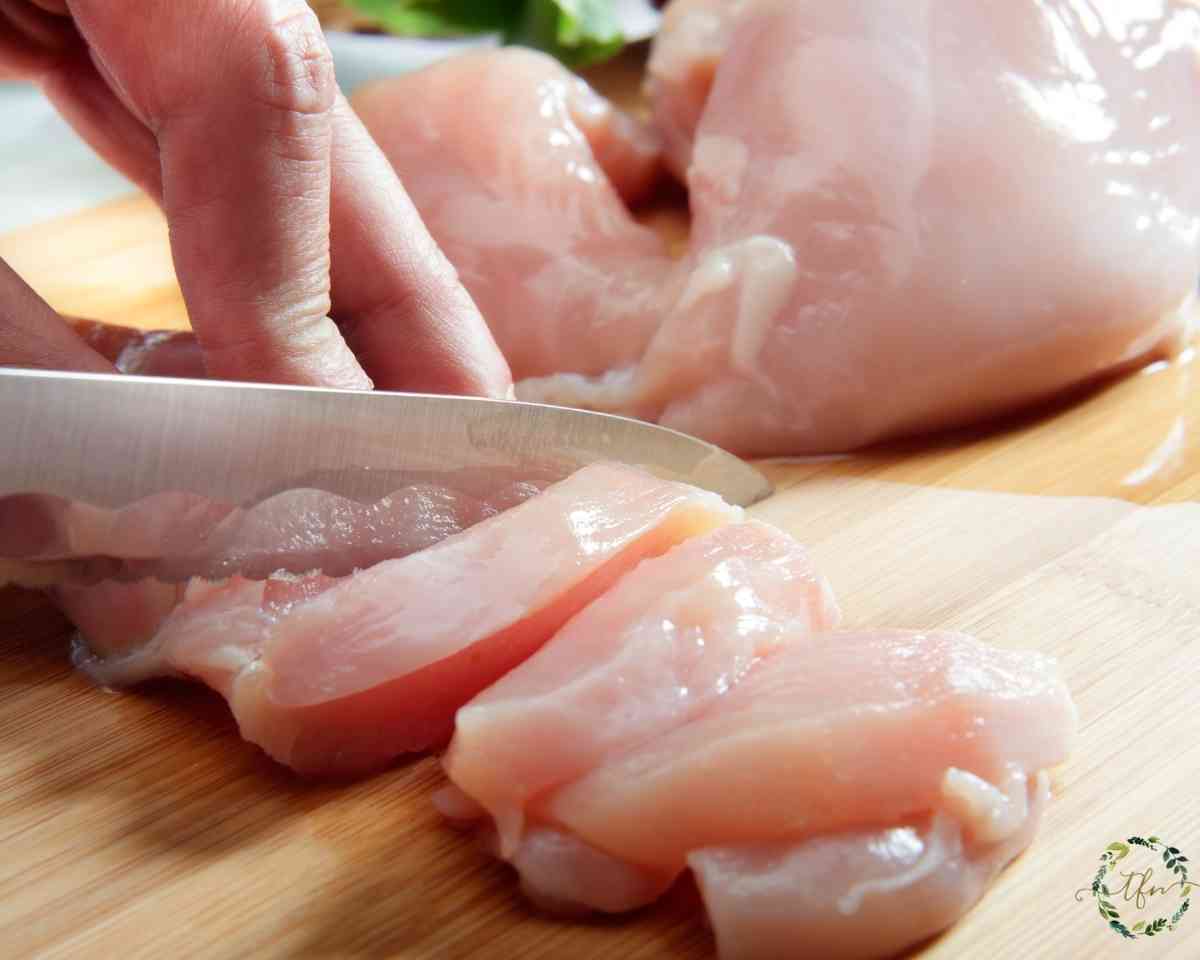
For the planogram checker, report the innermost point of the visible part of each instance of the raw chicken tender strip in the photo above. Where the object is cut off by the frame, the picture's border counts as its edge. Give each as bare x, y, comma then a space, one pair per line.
861, 788
525, 192
845, 896
342, 676
173, 536
912, 215
565, 877
669, 639
842, 732
42, 527
856, 896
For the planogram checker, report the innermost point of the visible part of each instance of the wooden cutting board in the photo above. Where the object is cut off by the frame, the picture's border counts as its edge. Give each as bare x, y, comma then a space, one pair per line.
140, 824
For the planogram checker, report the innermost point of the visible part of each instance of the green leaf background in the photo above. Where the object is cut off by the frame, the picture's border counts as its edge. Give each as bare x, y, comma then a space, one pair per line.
577, 32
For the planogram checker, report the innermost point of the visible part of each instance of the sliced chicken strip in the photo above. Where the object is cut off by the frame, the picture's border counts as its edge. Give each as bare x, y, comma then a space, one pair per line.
340, 676
663, 645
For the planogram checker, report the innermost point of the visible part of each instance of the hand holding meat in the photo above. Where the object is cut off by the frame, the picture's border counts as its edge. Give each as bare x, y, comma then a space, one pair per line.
284, 216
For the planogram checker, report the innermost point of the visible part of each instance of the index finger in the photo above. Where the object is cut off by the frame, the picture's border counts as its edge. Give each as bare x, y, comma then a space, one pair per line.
238, 94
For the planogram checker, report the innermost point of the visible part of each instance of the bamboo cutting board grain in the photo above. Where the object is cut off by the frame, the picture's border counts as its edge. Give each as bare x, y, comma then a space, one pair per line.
139, 824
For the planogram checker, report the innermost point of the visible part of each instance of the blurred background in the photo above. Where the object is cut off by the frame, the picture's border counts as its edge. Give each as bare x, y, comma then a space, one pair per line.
47, 172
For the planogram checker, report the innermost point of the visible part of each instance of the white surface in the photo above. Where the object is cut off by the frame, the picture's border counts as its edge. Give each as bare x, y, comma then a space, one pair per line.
358, 58
46, 171
639, 19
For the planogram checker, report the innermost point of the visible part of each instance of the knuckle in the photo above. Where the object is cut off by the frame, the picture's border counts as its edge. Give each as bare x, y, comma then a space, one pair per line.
290, 311
272, 62
396, 307
257, 339
305, 348
293, 66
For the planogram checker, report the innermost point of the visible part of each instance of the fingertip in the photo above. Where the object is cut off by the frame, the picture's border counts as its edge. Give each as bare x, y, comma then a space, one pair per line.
488, 377
498, 381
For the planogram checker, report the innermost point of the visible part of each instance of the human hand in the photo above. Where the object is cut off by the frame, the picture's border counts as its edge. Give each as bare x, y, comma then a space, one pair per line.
282, 211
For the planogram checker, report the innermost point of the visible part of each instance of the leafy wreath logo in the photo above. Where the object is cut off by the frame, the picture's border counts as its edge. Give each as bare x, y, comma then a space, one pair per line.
1174, 861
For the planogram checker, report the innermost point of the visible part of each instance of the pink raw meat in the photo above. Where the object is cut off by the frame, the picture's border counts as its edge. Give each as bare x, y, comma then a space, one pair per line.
173, 536
861, 789
841, 732
147, 353
913, 215
679, 75
906, 215
660, 647
858, 895
526, 193
341, 676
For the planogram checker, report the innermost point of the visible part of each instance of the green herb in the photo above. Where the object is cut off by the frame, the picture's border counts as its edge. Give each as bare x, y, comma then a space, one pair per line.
577, 32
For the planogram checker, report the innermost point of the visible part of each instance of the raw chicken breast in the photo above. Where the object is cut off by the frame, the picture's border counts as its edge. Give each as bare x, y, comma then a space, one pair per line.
524, 192
841, 732
341, 676
959, 208
855, 792
661, 646
912, 215
680, 72
859, 895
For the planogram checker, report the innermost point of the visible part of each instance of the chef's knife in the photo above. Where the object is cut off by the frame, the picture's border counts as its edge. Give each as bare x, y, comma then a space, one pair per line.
110, 440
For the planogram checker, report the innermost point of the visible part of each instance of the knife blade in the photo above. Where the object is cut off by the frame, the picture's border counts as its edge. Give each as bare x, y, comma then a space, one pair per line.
109, 441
